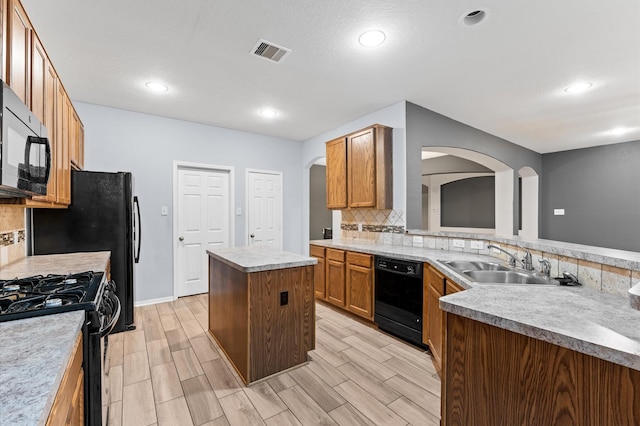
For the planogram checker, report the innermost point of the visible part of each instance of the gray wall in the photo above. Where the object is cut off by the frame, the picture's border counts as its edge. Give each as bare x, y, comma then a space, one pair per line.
598, 188
469, 203
147, 146
319, 215
427, 128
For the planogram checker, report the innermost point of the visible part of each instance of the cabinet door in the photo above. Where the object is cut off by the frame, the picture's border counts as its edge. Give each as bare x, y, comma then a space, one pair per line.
74, 147
49, 121
38, 72
361, 156
80, 145
19, 45
63, 180
435, 332
336, 282
360, 284
336, 151
319, 272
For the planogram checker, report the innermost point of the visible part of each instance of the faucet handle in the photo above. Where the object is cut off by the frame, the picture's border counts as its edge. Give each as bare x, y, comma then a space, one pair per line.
546, 267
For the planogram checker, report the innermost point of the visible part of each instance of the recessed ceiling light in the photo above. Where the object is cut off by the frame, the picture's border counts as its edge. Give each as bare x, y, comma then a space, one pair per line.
372, 38
268, 113
156, 87
474, 17
580, 87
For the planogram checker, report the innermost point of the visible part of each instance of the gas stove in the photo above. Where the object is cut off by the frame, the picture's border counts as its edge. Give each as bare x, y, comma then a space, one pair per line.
50, 294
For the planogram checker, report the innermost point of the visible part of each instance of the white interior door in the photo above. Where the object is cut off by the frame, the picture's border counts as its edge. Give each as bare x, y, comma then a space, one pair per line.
264, 208
203, 223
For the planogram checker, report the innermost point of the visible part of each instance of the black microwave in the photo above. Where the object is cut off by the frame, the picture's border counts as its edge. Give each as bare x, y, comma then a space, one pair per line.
24, 149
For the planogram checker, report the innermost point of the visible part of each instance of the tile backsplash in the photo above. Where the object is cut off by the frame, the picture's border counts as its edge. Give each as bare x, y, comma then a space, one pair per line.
375, 223
12, 234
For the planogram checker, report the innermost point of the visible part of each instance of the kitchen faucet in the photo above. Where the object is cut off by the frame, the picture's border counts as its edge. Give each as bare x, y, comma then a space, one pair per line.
526, 262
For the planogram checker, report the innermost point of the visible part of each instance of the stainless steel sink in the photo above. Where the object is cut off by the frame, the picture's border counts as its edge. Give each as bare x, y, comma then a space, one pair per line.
508, 277
476, 266
497, 273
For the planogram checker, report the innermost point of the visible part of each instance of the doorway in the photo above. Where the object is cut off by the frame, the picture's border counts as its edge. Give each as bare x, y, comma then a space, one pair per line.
203, 219
264, 208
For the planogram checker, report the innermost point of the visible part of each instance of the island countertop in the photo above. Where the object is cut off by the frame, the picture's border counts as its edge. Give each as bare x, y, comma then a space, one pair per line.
256, 259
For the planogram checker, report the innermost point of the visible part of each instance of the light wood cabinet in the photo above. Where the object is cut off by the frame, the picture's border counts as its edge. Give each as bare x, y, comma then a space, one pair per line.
359, 170
435, 285
360, 284
345, 279
337, 174
68, 406
335, 277
18, 45
26, 68
436, 288
319, 282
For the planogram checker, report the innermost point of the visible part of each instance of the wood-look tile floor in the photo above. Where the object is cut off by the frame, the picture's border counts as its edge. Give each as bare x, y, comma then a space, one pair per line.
169, 371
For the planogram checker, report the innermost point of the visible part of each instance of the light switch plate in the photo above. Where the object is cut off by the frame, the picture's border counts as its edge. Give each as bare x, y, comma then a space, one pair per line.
164, 210
458, 243
359, 227
238, 211
558, 212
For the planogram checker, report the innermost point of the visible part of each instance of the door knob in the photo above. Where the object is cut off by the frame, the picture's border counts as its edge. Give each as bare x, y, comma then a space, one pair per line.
252, 235
181, 238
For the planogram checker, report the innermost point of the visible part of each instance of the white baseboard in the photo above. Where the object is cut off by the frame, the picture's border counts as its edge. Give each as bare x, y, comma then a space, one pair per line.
153, 301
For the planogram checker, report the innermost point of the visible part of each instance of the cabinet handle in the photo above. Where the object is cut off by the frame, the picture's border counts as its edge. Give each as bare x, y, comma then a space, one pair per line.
181, 238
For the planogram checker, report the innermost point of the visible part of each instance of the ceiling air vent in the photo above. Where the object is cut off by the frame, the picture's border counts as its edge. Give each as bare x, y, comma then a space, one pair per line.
267, 50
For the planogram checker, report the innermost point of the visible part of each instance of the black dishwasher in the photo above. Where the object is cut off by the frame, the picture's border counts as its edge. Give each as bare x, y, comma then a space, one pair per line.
398, 298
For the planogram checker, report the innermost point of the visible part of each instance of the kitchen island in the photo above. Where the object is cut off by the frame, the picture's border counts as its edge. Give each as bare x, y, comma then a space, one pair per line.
261, 308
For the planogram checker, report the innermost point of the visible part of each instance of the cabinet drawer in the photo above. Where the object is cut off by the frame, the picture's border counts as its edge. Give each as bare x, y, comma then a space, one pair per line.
364, 260
316, 251
337, 255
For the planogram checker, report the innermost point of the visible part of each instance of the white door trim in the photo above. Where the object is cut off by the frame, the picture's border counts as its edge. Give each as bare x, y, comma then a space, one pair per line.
246, 202
177, 165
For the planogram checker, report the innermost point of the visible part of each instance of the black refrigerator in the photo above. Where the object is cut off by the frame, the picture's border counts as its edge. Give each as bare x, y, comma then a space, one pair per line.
103, 215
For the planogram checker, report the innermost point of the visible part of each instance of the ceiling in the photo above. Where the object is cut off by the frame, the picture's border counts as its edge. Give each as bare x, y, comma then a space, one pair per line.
505, 76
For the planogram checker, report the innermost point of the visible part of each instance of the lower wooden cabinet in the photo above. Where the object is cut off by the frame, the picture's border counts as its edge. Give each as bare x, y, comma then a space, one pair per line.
435, 285
433, 290
319, 282
344, 279
360, 284
335, 277
68, 406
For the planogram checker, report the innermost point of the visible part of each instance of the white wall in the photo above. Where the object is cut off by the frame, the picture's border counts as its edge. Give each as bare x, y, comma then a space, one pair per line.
146, 145
392, 116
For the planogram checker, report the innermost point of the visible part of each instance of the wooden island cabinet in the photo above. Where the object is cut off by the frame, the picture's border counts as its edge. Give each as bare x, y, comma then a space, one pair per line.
261, 308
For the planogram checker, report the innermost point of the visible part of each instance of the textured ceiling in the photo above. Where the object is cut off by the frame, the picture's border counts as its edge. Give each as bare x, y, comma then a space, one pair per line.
505, 76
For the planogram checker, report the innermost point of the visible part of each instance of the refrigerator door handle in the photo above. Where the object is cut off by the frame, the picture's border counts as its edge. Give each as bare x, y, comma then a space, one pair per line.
138, 229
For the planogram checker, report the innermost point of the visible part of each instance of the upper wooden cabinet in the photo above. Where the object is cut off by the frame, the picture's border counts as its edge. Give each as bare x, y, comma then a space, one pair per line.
29, 72
337, 174
18, 45
359, 170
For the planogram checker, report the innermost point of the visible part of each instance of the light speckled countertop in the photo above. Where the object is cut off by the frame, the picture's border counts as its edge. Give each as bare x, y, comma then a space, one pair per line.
256, 259
68, 263
578, 318
34, 353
